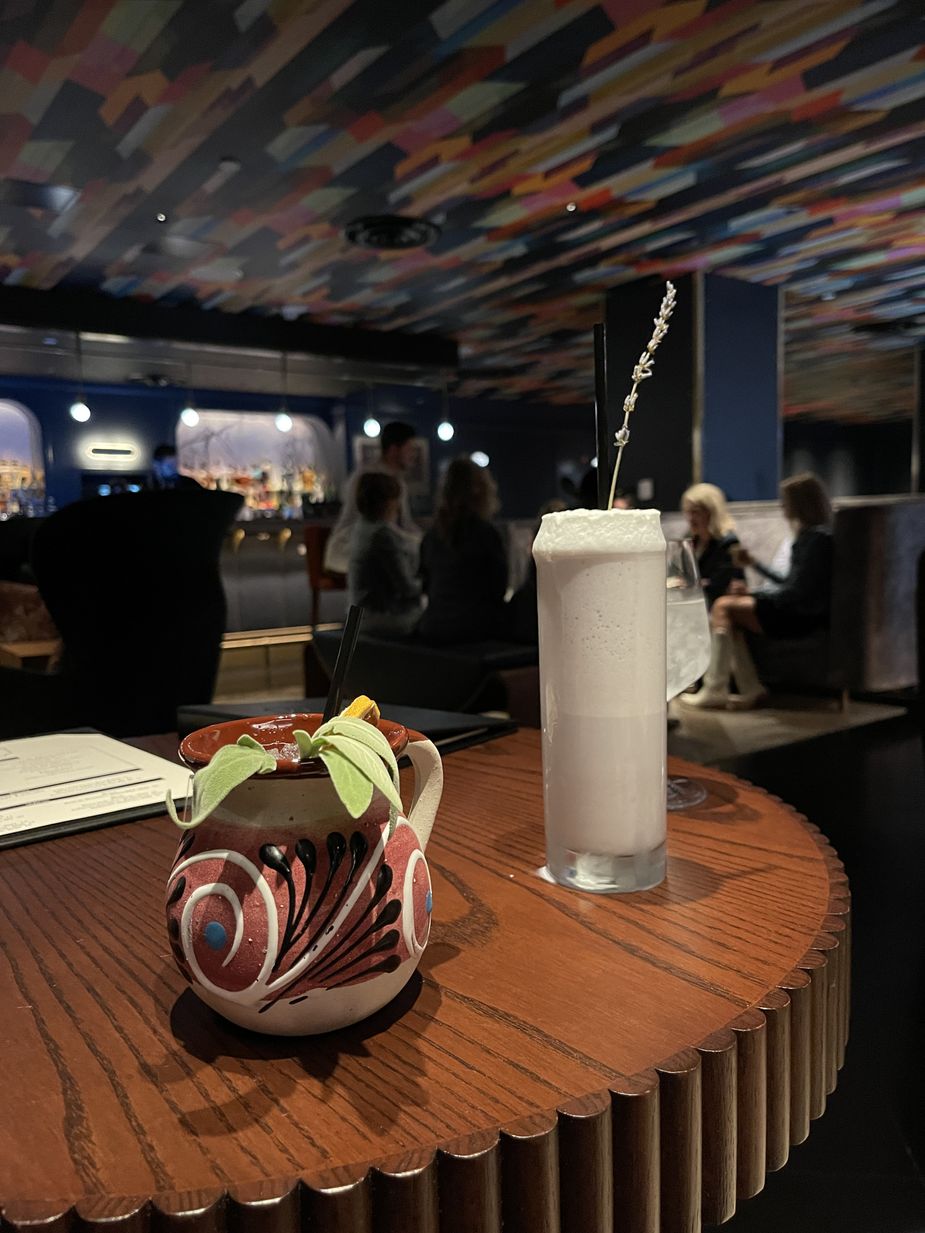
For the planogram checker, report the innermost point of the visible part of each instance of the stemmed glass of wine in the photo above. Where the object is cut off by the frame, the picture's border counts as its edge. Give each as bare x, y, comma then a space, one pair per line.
688, 647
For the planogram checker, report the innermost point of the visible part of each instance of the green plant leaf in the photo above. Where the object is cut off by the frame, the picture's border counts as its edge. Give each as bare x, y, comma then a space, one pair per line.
248, 741
366, 734
229, 768
309, 746
369, 763
351, 785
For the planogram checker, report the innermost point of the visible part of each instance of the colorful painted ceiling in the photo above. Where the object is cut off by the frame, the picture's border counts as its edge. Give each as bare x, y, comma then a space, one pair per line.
563, 148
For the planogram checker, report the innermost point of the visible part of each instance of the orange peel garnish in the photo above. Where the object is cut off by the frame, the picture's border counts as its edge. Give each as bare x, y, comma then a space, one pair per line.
362, 708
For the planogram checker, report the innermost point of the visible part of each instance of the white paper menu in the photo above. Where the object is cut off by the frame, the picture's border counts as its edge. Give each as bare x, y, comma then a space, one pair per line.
67, 778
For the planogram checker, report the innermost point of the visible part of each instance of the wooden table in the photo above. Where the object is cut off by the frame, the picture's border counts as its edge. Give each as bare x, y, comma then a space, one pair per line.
632, 1063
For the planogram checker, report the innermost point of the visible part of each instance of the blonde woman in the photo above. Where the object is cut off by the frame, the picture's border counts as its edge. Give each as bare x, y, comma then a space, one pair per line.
713, 533
799, 606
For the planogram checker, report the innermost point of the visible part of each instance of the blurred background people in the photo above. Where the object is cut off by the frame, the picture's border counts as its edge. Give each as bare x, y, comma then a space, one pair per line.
165, 472
522, 617
800, 604
713, 532
383, 563
463, 562
396, 444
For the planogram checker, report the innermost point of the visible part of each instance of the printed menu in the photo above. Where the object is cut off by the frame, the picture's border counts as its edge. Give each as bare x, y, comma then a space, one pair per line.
77, 780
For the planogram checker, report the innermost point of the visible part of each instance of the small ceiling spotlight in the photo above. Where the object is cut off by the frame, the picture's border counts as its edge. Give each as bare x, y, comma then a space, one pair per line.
572, 207
80, 412
284, 422
372, 427
480, 458
189, 416
446, 431
160, 217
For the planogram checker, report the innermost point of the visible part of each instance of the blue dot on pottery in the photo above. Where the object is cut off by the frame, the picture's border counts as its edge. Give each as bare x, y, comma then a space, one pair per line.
429, 901
215, 935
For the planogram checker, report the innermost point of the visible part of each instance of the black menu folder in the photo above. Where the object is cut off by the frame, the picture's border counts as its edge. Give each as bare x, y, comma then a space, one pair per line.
448, 730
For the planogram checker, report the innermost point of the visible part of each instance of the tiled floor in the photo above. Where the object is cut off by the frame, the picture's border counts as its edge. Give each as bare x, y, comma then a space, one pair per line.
861, 1170
714, 736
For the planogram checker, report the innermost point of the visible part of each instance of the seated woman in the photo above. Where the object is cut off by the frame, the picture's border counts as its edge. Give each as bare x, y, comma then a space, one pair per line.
713, 533
463, 562
382, 572
799, 606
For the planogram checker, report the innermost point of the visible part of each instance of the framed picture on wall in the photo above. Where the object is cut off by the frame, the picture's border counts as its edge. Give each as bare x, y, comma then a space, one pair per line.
366, 452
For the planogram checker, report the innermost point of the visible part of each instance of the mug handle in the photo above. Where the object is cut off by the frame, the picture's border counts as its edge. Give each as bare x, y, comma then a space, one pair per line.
428, 787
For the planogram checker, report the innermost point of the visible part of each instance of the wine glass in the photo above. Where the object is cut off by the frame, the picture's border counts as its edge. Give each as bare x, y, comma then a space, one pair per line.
688, 647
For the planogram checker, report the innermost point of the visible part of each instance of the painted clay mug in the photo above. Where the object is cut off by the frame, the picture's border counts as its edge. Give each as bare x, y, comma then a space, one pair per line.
286, 914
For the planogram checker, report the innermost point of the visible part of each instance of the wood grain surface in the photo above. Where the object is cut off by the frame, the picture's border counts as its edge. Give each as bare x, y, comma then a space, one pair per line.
561, 1061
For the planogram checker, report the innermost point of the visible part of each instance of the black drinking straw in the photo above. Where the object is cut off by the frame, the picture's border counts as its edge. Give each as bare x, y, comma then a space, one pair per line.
600, 416
348, 644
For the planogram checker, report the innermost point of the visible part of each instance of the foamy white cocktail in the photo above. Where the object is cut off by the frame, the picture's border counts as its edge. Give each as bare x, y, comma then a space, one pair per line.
601, 596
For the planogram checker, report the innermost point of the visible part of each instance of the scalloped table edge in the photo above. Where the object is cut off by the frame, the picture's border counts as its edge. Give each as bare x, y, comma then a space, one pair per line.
669, 1148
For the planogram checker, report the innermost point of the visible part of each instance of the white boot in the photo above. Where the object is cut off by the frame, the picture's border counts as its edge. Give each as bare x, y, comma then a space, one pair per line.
751, 692
715, 691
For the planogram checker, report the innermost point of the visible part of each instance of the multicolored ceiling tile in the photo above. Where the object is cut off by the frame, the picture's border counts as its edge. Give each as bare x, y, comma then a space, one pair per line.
562, 148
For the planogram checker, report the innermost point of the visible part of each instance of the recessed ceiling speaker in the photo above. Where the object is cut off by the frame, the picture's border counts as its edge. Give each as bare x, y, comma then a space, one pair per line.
391, 231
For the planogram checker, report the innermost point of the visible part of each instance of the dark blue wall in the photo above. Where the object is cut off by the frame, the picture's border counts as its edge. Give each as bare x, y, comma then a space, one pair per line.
730, 329
529, 445
741, 422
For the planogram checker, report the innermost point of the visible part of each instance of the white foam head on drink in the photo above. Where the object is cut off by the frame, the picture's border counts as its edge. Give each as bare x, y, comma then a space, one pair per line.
599, 532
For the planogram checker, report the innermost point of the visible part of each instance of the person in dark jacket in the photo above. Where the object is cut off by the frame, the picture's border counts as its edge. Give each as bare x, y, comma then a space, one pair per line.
382, 574
165, 472
714, 536
799, 605
463, 562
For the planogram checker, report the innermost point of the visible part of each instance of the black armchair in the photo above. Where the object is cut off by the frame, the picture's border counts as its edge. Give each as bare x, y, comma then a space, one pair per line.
133, 585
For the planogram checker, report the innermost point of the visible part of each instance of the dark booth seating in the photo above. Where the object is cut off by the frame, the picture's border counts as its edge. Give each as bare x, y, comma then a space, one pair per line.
477, 677
132, 583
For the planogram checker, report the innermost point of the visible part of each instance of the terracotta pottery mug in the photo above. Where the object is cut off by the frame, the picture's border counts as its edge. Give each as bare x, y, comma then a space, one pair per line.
284, 913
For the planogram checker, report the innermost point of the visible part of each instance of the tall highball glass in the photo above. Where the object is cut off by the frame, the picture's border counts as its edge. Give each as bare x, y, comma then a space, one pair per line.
602, 598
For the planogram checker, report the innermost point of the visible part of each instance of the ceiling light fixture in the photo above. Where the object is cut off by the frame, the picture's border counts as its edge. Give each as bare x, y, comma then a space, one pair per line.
189, 415
445, 429
160, 216
391, 231
572, 207
283, 418
480, 458
371, 425
79, 410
